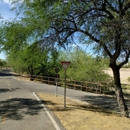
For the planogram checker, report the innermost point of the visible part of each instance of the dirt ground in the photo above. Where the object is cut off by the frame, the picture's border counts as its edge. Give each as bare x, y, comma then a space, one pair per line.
82, 116
124, 74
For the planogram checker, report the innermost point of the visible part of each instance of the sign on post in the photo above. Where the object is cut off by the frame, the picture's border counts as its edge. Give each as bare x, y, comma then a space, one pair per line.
57, 76
65, 65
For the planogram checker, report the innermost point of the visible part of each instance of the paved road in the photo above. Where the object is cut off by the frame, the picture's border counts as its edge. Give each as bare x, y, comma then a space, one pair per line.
20, 110
107, 102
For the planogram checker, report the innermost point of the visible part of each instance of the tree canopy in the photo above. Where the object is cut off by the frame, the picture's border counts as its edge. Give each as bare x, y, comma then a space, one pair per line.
104, 22
3, 63
32, 60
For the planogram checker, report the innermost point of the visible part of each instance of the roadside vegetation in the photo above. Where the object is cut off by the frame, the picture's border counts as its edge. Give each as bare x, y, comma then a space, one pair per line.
3, 63
83, 67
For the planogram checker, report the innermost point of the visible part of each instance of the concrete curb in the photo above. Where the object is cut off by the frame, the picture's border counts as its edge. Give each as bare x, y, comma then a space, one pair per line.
51, 115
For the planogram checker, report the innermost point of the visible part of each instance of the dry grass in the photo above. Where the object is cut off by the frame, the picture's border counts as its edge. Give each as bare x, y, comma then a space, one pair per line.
82, 116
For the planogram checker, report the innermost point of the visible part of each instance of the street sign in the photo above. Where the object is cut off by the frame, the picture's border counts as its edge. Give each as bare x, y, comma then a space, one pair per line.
65, 64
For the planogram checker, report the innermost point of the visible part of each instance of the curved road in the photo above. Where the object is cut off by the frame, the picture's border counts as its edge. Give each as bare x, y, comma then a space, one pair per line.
20, 110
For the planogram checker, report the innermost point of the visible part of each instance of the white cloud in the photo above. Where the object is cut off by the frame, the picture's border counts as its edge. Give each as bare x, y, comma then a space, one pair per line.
10, 1
5, 11
7, 1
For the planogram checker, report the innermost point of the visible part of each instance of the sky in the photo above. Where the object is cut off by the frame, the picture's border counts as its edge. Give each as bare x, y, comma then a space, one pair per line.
6, 13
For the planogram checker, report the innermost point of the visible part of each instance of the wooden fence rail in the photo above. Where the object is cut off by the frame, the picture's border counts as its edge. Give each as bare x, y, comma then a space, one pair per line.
95, 87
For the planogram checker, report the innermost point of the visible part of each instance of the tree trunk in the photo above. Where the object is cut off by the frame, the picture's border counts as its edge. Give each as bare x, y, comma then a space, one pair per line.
30, 69
118, 91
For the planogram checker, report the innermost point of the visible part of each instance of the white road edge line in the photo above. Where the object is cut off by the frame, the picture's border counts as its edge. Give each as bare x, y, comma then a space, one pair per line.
47, 112
14, 77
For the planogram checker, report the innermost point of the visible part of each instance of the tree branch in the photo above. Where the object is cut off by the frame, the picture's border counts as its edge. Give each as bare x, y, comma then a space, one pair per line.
120, 5
106, 50
59, 31
126, 59
69, 34
112, 8
96, 40
126, 8
110, 16
117, 43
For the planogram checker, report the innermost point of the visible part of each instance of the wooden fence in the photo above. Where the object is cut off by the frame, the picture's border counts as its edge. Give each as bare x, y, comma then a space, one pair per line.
95, 87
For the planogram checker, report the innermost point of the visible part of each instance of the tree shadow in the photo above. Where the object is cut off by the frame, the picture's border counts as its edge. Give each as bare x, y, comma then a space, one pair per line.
18, 108
4, 73
3, 90
71, 107
107, 103
103, 104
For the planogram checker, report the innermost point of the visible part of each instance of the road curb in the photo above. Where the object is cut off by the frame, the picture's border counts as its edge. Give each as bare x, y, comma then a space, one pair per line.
57, 127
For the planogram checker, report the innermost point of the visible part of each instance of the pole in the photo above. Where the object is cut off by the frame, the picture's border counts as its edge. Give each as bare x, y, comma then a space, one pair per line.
65, 91
56, 86
65, 65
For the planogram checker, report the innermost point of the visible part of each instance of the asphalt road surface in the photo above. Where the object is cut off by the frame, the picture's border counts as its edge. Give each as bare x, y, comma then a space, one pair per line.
20, 110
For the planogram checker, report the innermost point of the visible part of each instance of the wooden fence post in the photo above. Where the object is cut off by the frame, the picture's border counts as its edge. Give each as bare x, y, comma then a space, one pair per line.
48, 80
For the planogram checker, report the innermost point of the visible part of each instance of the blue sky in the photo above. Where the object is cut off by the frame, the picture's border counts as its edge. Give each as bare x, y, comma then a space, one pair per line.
6, 13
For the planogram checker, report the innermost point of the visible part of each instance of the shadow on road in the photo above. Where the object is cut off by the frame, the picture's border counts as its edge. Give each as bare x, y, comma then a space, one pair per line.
3, 90
18, 108
6, 73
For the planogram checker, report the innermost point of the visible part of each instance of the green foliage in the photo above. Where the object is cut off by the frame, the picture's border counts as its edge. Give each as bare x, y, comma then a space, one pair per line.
83, 67
12, 32
3, 63
14, 59
55, 23
32, 60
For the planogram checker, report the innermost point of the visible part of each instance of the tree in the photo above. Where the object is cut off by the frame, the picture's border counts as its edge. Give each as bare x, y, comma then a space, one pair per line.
14, 60
83, 67
104, 22
33, 61
2, 63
